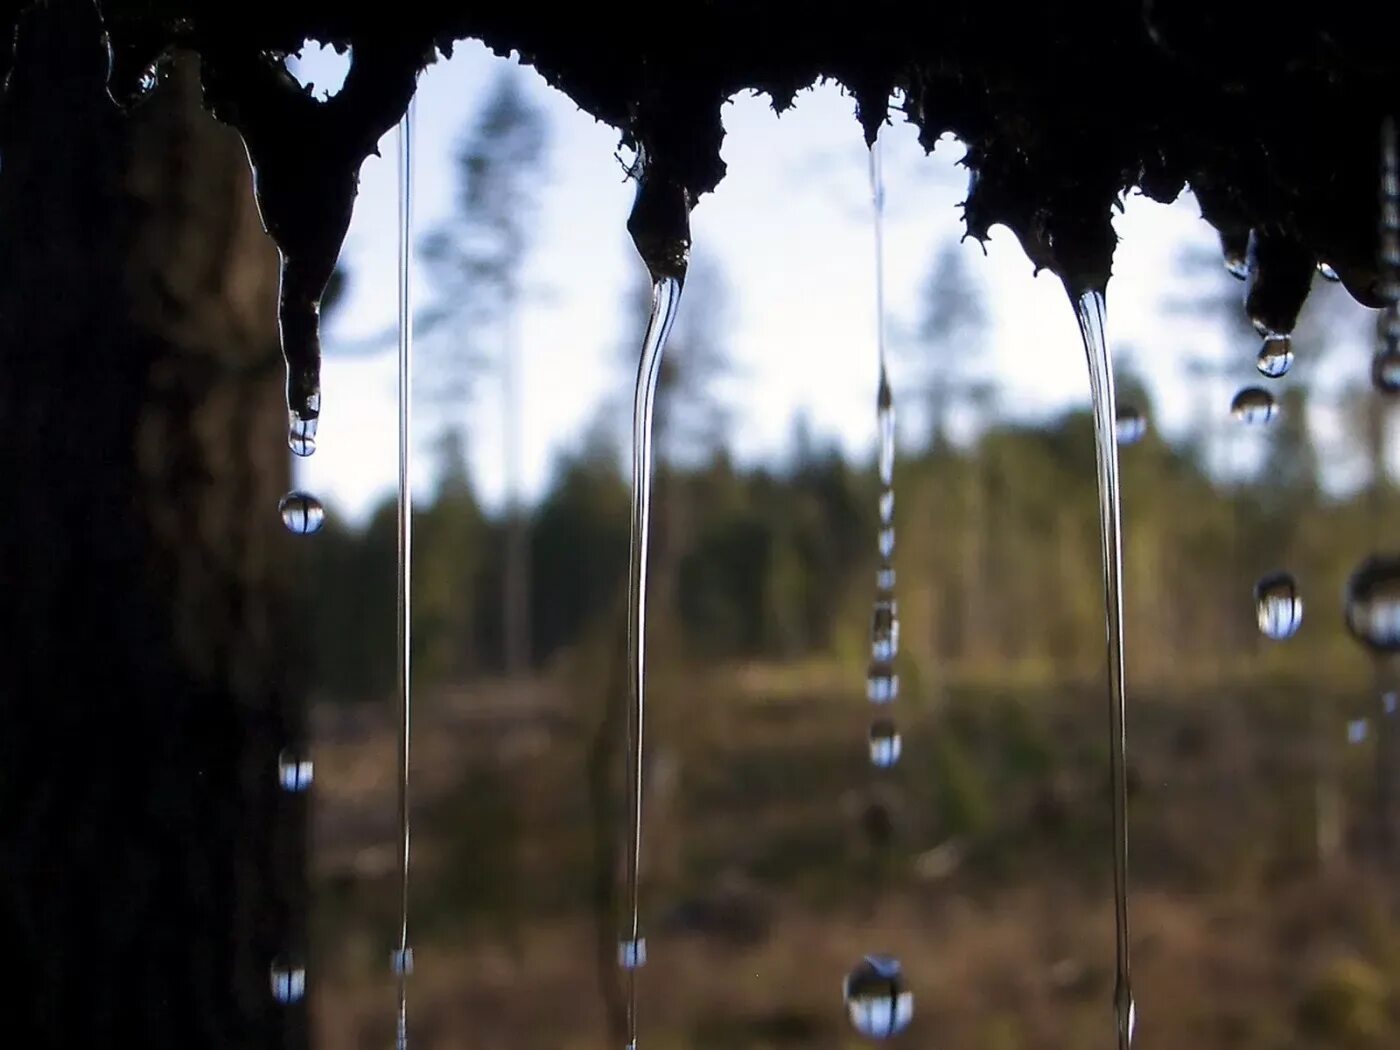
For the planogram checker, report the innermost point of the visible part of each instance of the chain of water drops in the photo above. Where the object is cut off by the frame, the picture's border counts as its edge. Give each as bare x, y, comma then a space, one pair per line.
877, 999
403, 954
1385, 364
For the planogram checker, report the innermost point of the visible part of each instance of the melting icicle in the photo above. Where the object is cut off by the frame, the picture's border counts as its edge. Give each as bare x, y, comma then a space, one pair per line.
1130, 426
294, 772
288, 979
877, 1001
1234, 250
1385, 365
660, 228
1275, 357
1278, 607
1372, 603
1254, 404
301, 513
1089, 311
402, 960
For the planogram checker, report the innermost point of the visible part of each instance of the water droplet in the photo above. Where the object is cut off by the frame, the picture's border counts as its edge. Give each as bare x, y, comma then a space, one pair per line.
294, 772
1385, 363
1234, 251
877, 1001
302, 513
1275, 357
147, 81
1358, 729
1388, 701
881, 683
1130, 425
884, 578
887, 507
1125, 1011
1254, 405
301, 426
1327, 273
401, 962
885, 743
632, 954
288, 980
885, 542
884, 631
1277, 605
1372, 603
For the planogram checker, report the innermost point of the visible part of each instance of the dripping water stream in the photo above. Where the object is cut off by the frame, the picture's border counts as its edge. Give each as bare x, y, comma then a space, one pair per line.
1089, 310
403, 955
665, 296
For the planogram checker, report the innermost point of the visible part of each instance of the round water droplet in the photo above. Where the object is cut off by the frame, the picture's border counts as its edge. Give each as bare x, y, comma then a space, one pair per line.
1358, 729
1372, 603
294, 772
884, 578
1327, 273
881, 683
1277, 605
632, 955
885, 743
1275, 357
301, 512
1254, 405
886, 506
877, 1002
1130, 426
885, 542
288, 978
884, 631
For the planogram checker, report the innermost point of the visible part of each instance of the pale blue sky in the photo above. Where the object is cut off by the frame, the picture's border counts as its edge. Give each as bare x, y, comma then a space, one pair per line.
791, 226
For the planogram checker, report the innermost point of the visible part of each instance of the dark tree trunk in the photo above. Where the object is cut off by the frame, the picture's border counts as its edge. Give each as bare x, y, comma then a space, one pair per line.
150, 868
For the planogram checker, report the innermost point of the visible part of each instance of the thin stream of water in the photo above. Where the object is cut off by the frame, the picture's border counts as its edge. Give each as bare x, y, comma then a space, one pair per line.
403, 957
665, 297
1089, 310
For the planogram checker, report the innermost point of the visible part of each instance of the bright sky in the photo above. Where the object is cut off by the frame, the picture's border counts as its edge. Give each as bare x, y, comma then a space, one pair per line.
791, 226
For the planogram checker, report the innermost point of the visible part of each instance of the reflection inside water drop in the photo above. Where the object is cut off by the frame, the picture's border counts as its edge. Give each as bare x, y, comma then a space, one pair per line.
877, 1002
1277, 606
301, 512
1253, 405
1129, 426
294, 773
288, 980
885, 743
632, 954
1275, 357
301, 426
1372, 603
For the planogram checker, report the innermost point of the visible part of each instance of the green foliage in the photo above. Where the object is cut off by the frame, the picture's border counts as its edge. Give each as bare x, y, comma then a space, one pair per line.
1346, 1005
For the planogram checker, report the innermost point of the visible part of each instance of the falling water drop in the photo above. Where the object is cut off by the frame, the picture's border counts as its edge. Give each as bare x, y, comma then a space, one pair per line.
885, 542
1253, 404
402, 958
660, 227
884, 631
288, 979
881, 682
885, 743
1327, 273
1089, 312
887, 507
1372, 603
294, 772
884, 578
1277, 606
1130, 426
301, 512
1385, 364
1275, 357
1358, 729
877, 1001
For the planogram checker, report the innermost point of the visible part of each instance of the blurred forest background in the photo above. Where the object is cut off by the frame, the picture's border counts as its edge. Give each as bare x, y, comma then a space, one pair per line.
1264, 894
